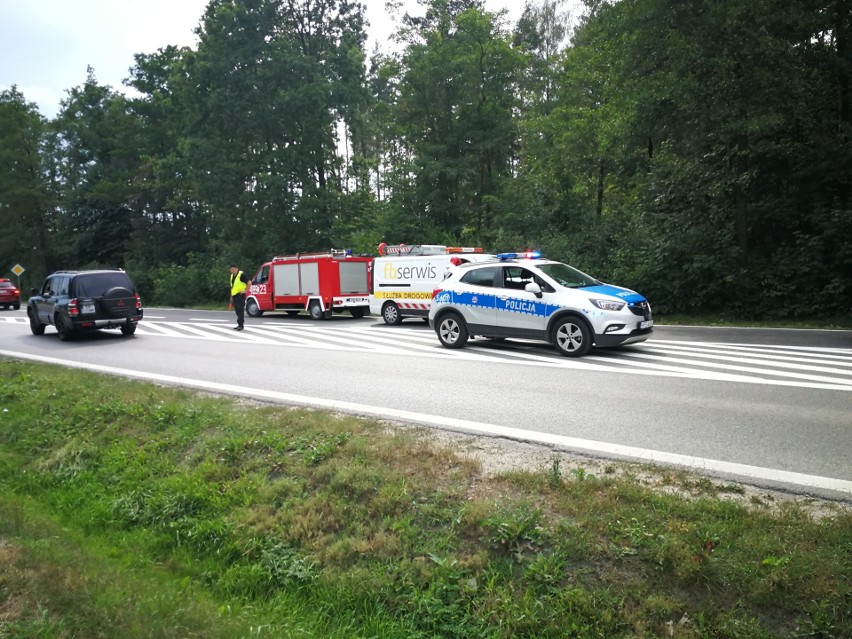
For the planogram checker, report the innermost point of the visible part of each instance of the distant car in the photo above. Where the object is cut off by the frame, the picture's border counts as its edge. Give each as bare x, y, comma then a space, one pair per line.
78, 301
524, 296
10, 295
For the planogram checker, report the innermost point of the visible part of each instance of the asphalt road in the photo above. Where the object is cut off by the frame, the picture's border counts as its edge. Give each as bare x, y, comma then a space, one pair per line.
769, 406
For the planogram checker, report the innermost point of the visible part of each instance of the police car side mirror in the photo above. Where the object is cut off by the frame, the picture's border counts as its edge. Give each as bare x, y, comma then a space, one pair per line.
533, 288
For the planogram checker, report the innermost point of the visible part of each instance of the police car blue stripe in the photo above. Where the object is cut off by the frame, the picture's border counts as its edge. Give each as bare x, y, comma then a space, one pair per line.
525, 307
615, 291
481, 300
484, 300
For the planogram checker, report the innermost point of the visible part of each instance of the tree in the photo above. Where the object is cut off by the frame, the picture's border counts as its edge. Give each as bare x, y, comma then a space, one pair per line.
273, 79
172, 222
98, 161
455, 108
26, 198
703, 119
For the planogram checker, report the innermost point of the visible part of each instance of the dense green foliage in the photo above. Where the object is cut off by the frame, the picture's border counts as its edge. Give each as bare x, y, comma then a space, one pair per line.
698, 151
137, 511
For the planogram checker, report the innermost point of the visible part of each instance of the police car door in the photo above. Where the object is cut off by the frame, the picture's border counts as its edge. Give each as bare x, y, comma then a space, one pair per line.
519, 312
476, 299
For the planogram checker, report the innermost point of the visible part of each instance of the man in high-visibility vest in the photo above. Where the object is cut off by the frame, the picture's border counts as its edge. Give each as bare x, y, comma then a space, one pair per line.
240, 283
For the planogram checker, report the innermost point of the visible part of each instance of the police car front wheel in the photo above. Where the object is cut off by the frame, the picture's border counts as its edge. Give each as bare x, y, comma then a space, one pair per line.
572, 337
451, 330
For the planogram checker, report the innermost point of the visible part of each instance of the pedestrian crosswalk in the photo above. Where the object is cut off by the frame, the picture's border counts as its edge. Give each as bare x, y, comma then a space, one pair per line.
823, 368
777, 364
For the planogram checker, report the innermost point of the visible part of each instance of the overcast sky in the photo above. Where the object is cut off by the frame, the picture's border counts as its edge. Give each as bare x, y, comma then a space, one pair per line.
46, 45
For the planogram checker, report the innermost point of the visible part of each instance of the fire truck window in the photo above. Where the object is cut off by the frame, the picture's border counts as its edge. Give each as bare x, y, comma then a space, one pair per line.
262, 276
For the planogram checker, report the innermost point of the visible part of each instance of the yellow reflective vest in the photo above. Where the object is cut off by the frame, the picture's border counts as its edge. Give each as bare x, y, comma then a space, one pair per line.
237, 284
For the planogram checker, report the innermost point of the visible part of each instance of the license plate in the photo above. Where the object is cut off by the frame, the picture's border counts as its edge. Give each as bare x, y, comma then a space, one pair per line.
88, 308
646, 324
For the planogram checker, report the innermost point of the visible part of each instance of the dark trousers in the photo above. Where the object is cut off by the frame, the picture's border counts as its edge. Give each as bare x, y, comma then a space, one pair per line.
240, 307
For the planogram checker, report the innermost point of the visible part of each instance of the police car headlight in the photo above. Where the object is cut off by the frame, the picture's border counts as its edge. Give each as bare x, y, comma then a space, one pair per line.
608, 305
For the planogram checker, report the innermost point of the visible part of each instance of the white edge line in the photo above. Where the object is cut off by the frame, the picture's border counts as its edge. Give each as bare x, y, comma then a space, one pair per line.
574, 443
755, 328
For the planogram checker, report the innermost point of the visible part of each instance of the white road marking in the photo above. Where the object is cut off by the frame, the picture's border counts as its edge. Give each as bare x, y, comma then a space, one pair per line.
154, 328
330, 337
799, 350
774, 365
735, 354
569, 443
743, 369
199, 332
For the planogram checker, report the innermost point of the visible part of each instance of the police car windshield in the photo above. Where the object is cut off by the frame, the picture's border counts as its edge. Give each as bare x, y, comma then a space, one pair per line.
567, 276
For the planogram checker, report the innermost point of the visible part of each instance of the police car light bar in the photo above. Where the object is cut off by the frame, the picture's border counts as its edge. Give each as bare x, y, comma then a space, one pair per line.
530, 255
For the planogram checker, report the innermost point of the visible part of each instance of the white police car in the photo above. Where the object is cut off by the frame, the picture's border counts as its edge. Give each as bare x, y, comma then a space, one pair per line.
522, 295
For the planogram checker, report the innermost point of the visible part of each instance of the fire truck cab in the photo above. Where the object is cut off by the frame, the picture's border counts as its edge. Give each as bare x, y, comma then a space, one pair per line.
404, 276
319, 283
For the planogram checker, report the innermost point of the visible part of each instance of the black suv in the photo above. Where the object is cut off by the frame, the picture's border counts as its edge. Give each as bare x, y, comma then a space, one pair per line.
76, 301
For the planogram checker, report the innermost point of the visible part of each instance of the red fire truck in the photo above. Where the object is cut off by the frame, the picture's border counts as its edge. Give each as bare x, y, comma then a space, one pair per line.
319, 283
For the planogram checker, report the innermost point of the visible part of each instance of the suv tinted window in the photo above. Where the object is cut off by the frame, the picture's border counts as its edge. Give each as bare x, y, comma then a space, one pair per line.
480, 276
96, 284
55, 285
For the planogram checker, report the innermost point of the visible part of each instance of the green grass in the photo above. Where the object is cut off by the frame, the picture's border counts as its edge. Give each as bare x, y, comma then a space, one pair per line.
130, 510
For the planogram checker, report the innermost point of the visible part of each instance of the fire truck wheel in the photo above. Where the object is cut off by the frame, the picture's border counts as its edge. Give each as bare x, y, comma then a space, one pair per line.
253, 309
391, 314
315, 310
357, 312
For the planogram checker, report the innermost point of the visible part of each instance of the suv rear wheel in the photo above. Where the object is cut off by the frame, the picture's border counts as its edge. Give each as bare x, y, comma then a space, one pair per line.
452, 331
128, 329
65, 332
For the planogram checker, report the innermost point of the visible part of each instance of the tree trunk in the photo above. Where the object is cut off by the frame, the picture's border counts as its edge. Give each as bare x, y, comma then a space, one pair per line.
599, 207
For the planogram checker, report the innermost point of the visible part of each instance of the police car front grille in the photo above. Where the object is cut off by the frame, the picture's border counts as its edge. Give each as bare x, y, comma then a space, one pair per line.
641, 308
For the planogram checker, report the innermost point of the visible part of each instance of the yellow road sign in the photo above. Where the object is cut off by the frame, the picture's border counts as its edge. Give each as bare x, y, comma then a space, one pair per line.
18, 269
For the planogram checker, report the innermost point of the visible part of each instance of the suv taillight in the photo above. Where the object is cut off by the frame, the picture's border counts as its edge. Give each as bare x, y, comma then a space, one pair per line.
138, 302
72, 307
